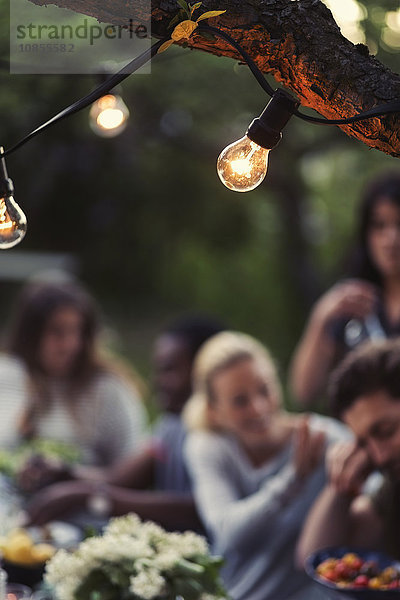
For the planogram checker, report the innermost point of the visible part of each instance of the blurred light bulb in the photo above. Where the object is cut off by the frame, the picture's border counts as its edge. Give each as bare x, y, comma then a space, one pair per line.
242, 165
12, 219
108, 115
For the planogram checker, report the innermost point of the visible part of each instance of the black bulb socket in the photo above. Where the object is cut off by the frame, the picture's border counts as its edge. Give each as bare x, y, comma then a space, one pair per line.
6, 184
266, 129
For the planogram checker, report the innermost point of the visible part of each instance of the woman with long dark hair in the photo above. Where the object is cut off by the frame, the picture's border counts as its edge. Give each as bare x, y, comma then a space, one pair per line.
366, 305
55, 384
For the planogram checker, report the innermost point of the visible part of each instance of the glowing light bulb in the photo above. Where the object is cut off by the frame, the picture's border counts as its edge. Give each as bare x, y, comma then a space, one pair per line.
242, 165
12, 219
108, 115
12, 223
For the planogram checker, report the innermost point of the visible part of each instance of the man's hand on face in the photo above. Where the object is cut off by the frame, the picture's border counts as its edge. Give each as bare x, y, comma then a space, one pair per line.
348, 466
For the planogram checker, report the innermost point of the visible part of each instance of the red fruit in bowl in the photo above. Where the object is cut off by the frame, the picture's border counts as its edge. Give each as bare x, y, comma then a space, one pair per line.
329, 574
357, 563
344, 571
361, 581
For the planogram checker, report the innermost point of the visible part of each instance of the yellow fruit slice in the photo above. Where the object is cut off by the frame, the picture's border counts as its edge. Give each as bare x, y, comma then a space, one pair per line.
19, 551
42, 552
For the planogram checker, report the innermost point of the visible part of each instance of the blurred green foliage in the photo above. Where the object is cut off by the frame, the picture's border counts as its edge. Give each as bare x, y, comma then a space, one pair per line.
154, 230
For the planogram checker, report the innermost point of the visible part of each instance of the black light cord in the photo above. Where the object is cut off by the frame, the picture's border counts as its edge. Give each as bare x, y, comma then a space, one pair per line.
249, 61
97, 93
377, 111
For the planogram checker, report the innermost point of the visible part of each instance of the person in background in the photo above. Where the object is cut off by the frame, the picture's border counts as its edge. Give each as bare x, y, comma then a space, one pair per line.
365, 393
154, 483
256, 468
365, 306
56, 386
162, 463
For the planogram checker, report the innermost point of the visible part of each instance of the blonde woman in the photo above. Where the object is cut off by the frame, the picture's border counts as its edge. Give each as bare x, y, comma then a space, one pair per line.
256, 468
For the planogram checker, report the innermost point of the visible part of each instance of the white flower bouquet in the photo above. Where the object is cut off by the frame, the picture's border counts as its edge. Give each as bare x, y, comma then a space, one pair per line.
135, 560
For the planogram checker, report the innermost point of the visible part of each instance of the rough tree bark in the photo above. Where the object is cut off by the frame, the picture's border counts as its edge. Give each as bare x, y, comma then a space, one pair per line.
297, 41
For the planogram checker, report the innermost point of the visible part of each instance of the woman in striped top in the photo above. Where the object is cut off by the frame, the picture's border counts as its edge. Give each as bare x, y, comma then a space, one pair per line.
55, 385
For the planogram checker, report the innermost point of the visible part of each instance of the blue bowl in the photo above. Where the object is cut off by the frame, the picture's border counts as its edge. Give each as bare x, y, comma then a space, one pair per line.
335, 592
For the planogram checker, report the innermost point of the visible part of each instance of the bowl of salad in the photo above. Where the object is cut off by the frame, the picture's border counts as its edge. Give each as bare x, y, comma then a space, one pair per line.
355, 573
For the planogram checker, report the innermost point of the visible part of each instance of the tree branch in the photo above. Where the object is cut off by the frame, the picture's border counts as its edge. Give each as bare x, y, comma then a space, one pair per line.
297, 41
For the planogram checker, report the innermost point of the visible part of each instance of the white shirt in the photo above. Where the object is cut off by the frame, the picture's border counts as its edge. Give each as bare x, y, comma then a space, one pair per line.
107, 424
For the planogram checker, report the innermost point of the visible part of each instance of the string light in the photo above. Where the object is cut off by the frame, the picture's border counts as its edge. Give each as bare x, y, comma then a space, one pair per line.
108, 116
12, 219
243, 164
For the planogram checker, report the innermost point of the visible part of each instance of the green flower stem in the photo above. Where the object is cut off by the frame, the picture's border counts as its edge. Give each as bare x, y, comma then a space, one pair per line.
185, 566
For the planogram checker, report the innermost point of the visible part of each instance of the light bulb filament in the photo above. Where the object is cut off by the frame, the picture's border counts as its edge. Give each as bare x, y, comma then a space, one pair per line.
5, 222
7, 225
242, 166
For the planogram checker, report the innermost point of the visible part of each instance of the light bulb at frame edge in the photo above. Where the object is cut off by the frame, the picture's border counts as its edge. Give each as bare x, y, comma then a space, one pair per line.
12, 219
13, 223
242, 165
108, 115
